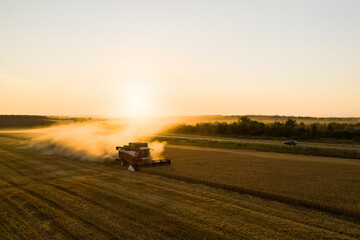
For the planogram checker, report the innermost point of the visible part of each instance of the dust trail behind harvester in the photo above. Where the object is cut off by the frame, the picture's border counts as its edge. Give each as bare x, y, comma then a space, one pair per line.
92, 141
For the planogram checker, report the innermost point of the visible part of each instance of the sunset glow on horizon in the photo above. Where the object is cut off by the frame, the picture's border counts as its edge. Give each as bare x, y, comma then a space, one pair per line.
168, 58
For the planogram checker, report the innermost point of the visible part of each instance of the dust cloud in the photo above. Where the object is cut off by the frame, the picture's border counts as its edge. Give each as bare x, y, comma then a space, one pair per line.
94, 141
157, 149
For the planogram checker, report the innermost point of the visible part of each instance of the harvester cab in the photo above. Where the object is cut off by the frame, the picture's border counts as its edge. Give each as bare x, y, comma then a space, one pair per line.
137, 154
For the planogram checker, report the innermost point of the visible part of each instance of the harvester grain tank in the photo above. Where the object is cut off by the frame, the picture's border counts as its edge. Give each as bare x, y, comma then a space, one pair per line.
138, 154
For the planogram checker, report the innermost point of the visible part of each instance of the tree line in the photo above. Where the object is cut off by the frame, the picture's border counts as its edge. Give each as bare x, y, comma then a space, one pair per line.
288, 129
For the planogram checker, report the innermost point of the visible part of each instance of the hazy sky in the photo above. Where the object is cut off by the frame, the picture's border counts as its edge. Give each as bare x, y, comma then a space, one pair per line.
130, 58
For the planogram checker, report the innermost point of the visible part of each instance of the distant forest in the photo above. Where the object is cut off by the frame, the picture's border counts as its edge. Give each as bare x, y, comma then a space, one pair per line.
31, 121
288, 129
24, 121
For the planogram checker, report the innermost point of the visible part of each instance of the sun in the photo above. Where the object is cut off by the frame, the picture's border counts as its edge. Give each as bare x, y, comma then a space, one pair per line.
136, 100
138, 106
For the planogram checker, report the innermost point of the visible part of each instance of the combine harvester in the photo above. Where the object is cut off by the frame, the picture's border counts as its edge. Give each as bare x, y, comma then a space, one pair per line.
138, 154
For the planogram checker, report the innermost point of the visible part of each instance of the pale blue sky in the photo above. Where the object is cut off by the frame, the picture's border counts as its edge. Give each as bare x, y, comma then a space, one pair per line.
180, 57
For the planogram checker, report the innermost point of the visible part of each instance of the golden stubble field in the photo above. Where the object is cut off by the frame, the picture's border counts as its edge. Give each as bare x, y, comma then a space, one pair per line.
330, 184
53, 197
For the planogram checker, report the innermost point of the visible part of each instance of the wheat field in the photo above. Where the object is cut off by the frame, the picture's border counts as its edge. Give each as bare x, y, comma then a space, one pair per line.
53, 197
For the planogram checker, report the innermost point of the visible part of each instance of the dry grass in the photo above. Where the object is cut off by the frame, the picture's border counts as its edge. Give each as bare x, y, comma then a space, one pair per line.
44, 197
329, 184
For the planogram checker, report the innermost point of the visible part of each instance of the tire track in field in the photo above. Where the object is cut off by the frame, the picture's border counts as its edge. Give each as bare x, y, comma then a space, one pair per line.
4, 228
22, 212
25, 230
5, 225
61, 209
54, 221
